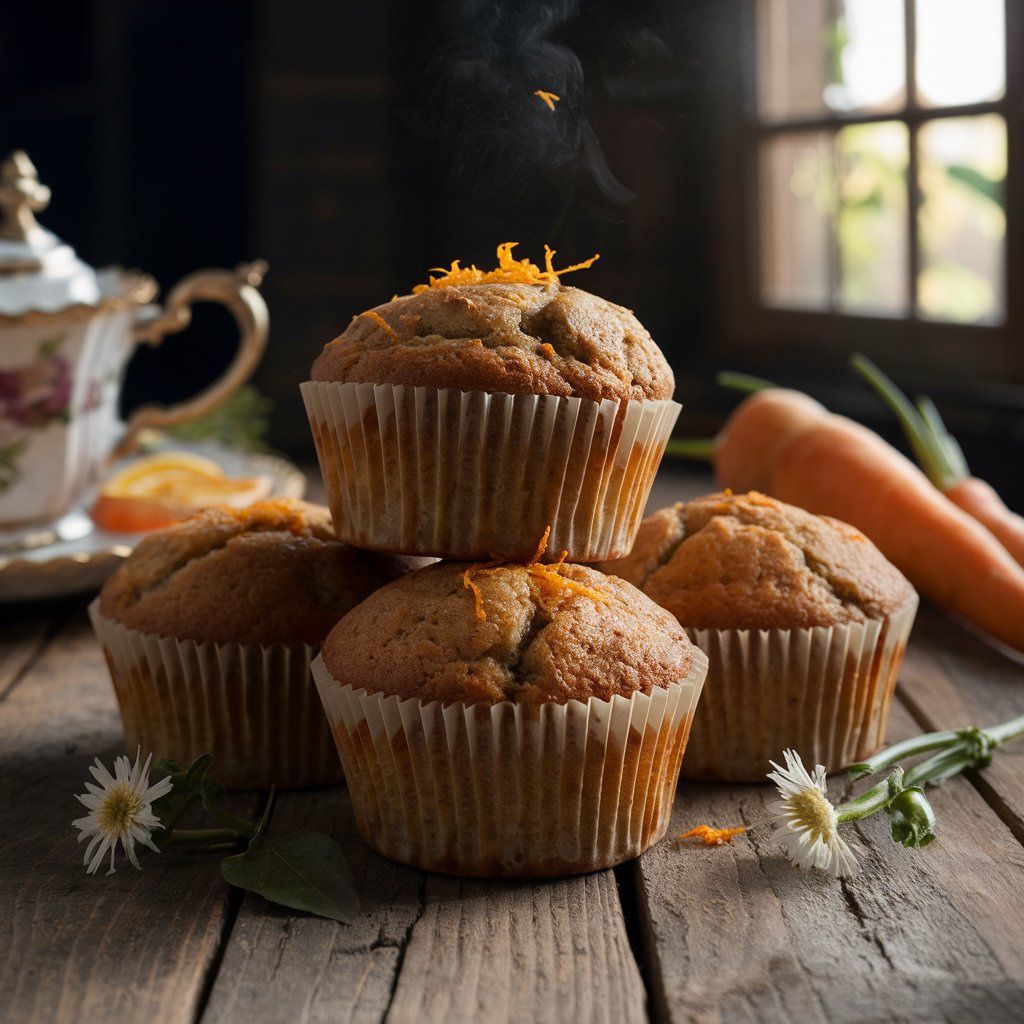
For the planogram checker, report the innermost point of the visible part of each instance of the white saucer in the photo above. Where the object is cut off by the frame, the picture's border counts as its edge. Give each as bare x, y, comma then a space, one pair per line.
74, 556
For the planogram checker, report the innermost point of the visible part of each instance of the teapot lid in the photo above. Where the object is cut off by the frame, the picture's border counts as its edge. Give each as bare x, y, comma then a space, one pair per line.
39, 272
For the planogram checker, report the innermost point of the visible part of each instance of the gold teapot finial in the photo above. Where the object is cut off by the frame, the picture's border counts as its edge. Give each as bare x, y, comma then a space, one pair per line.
21, 196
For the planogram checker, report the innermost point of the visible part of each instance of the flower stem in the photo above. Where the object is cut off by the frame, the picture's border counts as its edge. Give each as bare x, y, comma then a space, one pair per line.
899, 751
204, 836
1005, 731
239, 825
871, 800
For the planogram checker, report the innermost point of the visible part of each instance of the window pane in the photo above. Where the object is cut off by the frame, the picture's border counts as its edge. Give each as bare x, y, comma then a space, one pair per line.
871, 224
868, 55
962, 223
815, 56
796, 199
961, 51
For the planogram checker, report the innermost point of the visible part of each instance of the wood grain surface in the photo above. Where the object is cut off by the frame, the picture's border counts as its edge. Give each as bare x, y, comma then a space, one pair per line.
684, 934
131, 946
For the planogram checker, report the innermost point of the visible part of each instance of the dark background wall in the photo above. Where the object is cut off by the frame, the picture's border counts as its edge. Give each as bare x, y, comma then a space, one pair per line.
354, 145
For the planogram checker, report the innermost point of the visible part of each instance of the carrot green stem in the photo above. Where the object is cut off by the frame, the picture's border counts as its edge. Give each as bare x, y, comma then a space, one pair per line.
931, 443
698, 448
950, 446
742, 382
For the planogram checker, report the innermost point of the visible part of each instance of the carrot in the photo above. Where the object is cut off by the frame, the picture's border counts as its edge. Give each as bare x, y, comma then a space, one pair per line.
942, 459
787, 445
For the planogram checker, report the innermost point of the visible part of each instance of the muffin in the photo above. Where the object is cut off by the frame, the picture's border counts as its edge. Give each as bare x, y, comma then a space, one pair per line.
209, 628
463, 419
803, 620
510, 720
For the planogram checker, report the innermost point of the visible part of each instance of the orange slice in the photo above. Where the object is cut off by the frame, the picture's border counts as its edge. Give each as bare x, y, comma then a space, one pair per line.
162, 489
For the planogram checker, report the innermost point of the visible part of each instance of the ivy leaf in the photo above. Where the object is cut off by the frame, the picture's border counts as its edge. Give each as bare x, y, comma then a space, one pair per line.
305, 871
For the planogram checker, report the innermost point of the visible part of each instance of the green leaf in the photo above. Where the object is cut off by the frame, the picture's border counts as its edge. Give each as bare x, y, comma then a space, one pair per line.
196, 772
979, 183
305, 871
211, 790
240, 421
165, 767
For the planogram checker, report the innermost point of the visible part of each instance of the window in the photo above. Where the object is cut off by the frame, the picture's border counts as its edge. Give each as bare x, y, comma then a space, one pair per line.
883, 156
876, 162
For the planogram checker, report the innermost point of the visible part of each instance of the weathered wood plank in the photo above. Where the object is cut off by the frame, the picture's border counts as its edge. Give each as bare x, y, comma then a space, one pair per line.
133, 946
952, 679
23, 635
428, 948
517, 951
279, 965
736, 934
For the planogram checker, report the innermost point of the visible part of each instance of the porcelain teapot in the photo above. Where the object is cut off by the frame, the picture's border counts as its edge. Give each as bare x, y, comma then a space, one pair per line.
66, 334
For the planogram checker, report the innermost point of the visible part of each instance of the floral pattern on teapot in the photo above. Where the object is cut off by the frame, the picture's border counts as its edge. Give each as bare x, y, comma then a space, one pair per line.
31, 398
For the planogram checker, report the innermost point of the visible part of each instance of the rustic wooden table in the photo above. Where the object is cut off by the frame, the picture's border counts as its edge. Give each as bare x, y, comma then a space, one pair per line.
685, 933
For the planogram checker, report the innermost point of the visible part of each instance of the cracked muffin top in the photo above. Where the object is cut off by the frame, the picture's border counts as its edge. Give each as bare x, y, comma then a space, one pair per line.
511, 633
542, 339
747, 561
272, 572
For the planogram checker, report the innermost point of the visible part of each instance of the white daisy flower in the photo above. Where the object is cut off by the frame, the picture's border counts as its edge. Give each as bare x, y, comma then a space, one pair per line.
808, 826
120, 810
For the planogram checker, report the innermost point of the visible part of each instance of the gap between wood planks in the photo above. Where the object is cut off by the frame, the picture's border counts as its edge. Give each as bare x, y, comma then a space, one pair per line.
23, 639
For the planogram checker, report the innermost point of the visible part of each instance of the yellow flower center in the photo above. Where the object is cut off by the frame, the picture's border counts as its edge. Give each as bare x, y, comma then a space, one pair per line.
813, 812
119, 809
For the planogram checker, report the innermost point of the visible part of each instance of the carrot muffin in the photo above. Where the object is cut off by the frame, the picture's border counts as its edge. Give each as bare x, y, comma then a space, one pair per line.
510, 720
462, 419
802, 617
209, 627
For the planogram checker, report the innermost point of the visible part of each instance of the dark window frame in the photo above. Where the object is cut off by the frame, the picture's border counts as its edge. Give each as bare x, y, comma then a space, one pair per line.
752, 332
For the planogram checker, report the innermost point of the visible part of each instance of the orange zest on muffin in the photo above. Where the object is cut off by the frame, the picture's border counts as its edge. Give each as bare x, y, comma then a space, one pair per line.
373, 315
508, 271
548, 578
711, 836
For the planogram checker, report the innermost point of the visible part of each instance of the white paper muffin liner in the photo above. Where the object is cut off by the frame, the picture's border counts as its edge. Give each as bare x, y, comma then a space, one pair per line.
472, 475
254, 708
511, 790
824, 691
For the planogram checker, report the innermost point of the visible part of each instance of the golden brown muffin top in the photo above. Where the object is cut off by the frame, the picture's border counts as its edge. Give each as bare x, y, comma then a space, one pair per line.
539, 641
747, 561
543, 339
272, 572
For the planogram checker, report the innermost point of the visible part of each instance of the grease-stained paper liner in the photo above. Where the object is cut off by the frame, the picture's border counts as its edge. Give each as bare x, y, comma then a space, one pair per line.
254, 708
471, 475
512, 790
824, 691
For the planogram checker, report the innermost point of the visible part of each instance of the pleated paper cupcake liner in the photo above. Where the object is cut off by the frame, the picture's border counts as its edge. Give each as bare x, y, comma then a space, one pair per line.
471, 475
512, 790
824, 691
254, 708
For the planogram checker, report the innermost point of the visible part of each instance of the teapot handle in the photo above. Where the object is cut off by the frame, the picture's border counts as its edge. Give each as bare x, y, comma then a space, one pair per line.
237, 290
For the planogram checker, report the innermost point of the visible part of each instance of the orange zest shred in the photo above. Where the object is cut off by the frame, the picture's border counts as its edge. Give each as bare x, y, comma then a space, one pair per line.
541, 547
549, 578
478, 597
547, 350
508, 271
549, 98
373, 315
711, 836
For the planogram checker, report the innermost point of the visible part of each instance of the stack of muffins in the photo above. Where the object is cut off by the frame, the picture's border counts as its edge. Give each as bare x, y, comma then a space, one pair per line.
506, 711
